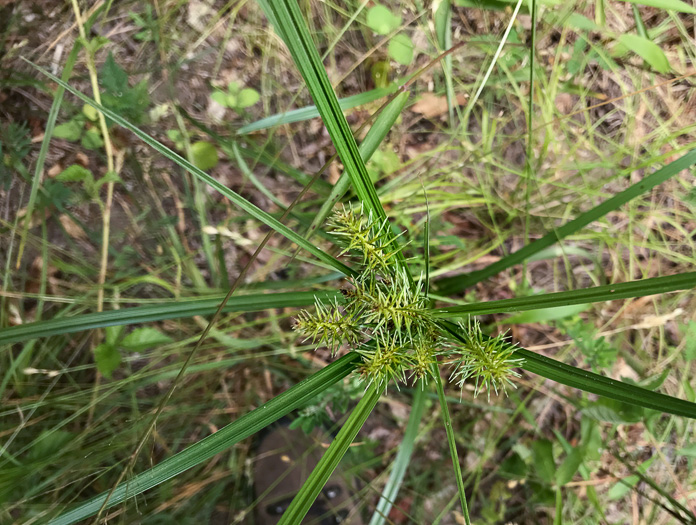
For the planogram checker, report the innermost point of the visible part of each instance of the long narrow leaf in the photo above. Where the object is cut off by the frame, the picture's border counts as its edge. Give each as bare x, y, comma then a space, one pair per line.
594, 383
403, 457
604, 386
48, 134
223, 439
237, 199
451, 442
329, 461
286, 16
610, 292
378, 131
158, 312
450, 285
310, 112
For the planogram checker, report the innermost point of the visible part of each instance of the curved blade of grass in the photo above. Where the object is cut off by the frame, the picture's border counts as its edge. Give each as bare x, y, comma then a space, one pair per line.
286, 16
379, 130
450, 285
310, 112
594, 383
237, 199
452, 443
333, 455
443, 30
258, 155
158, 312
224, 438
41, 159
403, 457
609, 292
674, 5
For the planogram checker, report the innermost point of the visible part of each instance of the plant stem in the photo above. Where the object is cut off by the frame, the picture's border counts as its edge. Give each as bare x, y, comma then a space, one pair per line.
451, 442
109, 150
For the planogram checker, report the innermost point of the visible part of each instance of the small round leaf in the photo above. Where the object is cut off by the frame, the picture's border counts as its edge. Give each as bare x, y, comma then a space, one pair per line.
381, 20
401, 49
247, 97
205, 156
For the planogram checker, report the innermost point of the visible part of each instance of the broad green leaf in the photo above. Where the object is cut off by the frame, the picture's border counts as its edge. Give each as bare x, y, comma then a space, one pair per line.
74, 173
647, 50
381, 20
112, 76
205, 155
89, 112
673, 5
71, 130
158, 312
220, 97
92, 139
247, 97
223, 439
544, 464
112, 334
569, 467
609, 292
401, 49
450, 285
247, 206
612, 411
107, 358
144, 338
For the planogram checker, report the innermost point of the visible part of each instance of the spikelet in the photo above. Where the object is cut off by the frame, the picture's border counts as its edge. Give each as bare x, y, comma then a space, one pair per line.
488, 361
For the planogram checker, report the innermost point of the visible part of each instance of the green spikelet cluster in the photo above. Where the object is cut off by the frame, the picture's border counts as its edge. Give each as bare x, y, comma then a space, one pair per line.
385, 318
328, 326
488, 361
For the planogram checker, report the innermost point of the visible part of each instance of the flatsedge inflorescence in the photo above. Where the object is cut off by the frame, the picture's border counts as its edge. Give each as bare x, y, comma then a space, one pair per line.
384, 316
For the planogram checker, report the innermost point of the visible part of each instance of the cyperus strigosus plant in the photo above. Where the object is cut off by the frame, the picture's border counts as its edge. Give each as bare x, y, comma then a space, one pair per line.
384, 314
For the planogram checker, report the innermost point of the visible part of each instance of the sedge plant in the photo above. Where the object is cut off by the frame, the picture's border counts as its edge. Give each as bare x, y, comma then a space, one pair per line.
384, 315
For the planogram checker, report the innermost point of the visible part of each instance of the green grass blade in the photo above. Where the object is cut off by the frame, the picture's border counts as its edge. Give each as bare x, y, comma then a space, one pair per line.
604, 386
609, 292
403, 457
384, 122
443, 30
158, 312
237, 199
317, 479
594, 383
310, 112
450, 285
41, 159
452, 443
223, 439
293, 29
